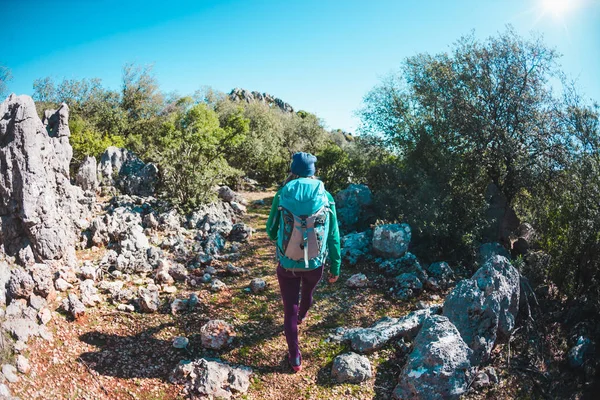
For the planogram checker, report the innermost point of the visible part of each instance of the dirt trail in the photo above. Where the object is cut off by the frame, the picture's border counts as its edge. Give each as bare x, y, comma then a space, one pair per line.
118, 355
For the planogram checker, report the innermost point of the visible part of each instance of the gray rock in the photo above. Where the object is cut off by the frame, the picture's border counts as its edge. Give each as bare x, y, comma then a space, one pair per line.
407, 264
367, 340
489, 250
217, 286
44, 316
162, 272
258, 285
37, 302
20, 284
482, 380
355, 246
206, 278
178, 272
148, 300
178, 305
42, 276
36, 192
353, 207
150, 221
86, 177
74, 306
485, 306
4, 392
216, 334
236, 271
23, 365
357, 281
240, 233
62, 285
219, 217
228, 195
10, 373
391, 240
21, 328
577, 355
438, 366
126, 307
180, 342
4, 278
123, 169
89, 293
212, 379
409, 281
90, 272
351, 367
441, 272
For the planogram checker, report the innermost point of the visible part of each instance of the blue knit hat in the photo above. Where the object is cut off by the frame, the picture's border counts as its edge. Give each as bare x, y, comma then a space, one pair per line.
303, 164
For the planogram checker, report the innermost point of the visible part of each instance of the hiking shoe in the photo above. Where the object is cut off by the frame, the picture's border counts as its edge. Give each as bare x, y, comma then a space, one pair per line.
296, 363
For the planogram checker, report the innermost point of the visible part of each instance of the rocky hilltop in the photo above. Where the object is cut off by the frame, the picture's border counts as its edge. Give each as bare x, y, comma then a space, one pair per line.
238, 94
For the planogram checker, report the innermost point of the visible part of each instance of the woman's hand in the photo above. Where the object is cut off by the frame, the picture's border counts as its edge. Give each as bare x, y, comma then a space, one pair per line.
333, 278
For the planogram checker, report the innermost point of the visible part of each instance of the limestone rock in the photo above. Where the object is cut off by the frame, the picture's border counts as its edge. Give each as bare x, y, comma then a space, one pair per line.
357, 281
89, 293
351, 367
36, 194
391, 240
258, 285
216, 334
212, 379
42, 275
148, 300
438, 365
86, 177
23, 365
74, 306
355, 246
10, 373
485, 306
20, 284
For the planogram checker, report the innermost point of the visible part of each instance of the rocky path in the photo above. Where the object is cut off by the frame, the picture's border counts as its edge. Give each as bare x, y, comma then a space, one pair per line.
116, 354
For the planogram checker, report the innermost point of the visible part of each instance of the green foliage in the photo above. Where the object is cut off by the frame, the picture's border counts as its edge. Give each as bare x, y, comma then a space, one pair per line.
87, 141
190, 153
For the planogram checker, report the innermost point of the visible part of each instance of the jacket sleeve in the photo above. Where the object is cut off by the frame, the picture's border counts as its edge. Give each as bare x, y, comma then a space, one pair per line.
273, 221
333, 240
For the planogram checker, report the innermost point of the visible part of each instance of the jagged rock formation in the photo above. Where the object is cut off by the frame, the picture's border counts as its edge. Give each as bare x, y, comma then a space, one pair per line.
35, 191
238, 94
121, 168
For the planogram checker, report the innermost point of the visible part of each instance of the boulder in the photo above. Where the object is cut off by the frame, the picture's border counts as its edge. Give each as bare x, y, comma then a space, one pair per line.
20, 284
351, 367
23, 365
391, 240
86, 177
353, 206
74, 306
441, 272
438, 366
212, 379
148, 299
89, 293
367, 340
36, 193
10, 373
42, 276
226, 194
355, 246
485, 306
123, 169
216, 334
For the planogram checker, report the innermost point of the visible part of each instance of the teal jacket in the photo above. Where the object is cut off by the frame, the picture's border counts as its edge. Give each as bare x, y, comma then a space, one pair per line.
333, 240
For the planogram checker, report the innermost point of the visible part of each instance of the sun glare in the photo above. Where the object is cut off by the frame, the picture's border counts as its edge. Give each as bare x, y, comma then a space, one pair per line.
559, 8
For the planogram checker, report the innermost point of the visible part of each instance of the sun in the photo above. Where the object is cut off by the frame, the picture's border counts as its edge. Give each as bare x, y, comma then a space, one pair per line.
559, 8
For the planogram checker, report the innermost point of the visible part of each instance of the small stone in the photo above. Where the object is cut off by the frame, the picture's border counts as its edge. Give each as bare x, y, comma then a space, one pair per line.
4, 392
257, 285
206, 278
37, 302
218, 286
10, 373
193, 300
351, 367
357, 281
62, 285
45, 315
148, 300
126, 307
73, 305
233, 270
180, 342
20, 346
178, 305
216, 334
482, 380
210, 270
169, 289
23, 365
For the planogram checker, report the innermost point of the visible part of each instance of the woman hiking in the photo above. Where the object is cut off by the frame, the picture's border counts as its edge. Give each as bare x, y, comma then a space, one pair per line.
303, 222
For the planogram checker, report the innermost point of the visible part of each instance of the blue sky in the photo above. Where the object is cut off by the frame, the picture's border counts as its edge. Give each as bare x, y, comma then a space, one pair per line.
318, 55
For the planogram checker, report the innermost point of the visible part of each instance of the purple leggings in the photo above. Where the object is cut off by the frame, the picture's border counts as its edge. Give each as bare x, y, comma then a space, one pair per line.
289, 284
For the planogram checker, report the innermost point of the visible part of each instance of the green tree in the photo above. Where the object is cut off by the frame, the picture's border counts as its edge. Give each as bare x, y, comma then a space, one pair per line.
190, 152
